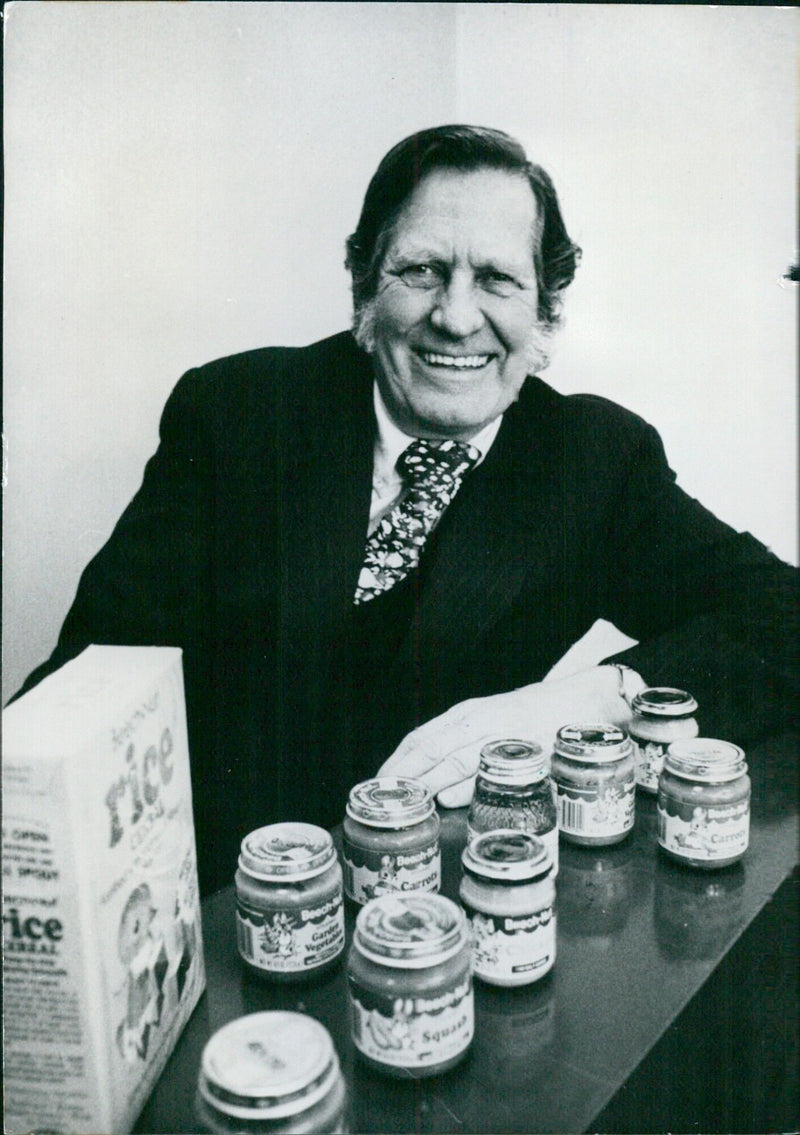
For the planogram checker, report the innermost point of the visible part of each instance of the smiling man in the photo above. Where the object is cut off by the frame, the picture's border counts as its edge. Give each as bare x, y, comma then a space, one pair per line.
453, 325
373, 549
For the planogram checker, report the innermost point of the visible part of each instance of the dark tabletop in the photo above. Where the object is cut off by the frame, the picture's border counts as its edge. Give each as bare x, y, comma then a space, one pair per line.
638, 939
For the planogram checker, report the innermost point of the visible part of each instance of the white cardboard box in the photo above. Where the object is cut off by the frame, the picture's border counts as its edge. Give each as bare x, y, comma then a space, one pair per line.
102, 958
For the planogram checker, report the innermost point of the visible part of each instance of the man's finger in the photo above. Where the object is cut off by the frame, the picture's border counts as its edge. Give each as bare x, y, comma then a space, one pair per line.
426, 748
457, 795
459, 765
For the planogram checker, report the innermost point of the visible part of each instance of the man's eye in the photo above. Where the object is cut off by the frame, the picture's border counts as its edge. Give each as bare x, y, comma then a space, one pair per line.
498, 282
421, 276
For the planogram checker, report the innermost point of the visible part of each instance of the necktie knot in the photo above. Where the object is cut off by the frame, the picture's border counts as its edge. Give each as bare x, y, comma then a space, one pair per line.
436, 461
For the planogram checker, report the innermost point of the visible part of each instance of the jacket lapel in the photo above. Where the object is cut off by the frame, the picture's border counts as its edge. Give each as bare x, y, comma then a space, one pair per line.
498, 534
327, 490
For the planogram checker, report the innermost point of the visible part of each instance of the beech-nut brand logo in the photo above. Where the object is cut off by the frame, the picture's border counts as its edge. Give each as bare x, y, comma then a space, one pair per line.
417, 857
444, 1001
139, 785
329, 907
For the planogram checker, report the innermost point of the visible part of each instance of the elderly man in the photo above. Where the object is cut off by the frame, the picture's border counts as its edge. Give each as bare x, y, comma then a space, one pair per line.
373, 549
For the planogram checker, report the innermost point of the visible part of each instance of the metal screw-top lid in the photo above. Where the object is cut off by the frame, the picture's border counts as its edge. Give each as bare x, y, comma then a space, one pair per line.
507, 855
513, 762
268, 1065
390, 802
705, 759
598, 743
410, 930
664, 701
288, 852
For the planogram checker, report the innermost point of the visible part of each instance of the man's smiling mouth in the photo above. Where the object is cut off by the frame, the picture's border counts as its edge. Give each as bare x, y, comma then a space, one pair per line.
456, 362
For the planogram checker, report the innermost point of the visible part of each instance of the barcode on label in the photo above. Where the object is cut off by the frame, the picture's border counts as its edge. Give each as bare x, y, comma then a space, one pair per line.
571, 814
245, 938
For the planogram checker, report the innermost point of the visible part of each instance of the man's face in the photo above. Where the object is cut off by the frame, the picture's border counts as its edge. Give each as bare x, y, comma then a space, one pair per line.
453, 326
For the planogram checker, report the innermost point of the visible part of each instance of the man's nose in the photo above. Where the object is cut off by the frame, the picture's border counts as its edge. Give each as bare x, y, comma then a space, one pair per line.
457, 310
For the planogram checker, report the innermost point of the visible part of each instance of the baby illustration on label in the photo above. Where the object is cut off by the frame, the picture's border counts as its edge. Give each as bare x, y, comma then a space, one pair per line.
185, 931
609, 805
696, 839
484, 942
395, 1032
386, 883
652, 758
279, 937
145, 957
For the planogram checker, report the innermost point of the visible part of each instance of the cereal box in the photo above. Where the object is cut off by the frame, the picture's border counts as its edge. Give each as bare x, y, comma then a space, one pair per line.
102, 945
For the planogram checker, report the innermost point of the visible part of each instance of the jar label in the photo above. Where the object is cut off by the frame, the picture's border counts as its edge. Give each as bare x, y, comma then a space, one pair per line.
369, 874
649, 758
413, 1031
602, 810
703, 831
291, 941
510, 946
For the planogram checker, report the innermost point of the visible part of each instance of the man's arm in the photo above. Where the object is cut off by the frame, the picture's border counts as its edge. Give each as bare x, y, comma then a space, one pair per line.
714, 612
148, 585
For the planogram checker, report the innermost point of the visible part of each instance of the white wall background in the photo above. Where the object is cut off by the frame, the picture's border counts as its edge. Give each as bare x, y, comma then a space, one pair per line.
180, 179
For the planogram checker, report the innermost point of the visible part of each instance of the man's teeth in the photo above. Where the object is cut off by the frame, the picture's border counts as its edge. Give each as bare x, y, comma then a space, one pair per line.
460, 362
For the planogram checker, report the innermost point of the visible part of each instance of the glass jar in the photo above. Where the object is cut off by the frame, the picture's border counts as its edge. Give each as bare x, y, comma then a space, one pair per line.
661, 715
390, 839
410, 984
508, 893
272, 1073
704, 803
513, 790
595, 782
289, 908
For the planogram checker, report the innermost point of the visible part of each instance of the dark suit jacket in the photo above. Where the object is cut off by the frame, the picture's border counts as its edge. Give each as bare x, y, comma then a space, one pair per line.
244, 543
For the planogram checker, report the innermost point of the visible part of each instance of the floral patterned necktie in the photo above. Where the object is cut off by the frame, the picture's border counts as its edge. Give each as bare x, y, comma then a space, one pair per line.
433, 471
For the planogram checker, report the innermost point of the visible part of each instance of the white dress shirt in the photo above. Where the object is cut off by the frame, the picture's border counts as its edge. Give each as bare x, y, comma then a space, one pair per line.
387, 484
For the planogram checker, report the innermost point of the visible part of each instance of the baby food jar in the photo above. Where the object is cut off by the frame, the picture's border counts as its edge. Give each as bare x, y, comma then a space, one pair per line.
508, 893
410, 984
289, 909
390, 839
704, 803
661, 715
513, 790
595, 780
273, 1073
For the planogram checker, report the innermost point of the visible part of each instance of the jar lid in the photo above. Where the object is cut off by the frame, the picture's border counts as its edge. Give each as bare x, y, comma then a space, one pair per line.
507, 855
390, 802
410, 930
513, 762
268, 1065
287, 852
664, 701
597, 743
705, 759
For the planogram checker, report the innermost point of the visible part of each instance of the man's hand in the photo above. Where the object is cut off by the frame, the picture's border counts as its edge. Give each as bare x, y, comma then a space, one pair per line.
445, 751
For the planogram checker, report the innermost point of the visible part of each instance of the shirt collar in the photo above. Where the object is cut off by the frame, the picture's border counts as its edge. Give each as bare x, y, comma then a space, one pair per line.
391, 441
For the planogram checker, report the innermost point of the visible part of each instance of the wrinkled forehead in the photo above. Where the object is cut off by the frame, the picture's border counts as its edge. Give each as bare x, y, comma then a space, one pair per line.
483, 215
